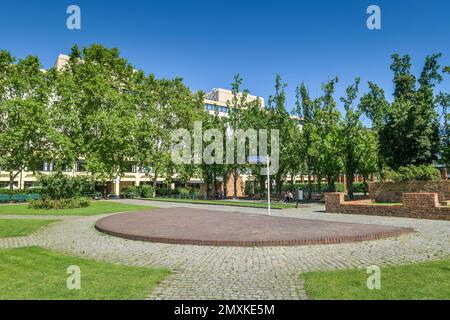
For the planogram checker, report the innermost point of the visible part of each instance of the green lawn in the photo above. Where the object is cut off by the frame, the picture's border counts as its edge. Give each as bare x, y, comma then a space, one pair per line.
21, 227
227, 203
420, 281
96, 207
36, 273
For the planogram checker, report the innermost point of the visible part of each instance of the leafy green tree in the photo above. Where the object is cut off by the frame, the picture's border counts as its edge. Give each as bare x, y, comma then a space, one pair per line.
351, 134
411, 132
327, 131
24, 121
280, 119
375, 106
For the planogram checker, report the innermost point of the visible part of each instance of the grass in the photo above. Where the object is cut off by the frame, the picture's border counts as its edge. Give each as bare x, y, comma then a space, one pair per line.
227, 203
21, 227
39, 274
96, 207
419, 281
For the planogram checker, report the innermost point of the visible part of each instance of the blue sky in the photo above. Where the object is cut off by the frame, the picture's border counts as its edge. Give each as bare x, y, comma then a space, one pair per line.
207, 42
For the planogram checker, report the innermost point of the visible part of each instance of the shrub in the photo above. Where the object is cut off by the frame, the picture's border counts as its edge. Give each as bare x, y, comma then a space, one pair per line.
61, 186
184, 191
415, 173
130, 192
163, 192
146, 191
58, 204
360, 187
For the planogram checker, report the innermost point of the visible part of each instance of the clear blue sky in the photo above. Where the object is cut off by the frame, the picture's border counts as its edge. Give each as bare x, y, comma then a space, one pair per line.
206, 42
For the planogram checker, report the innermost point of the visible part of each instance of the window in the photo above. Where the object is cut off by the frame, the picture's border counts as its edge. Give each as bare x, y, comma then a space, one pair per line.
210, 107
48, 167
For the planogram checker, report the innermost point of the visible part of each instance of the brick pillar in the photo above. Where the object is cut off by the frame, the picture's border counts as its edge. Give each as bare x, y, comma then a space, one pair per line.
420, 200
333, 200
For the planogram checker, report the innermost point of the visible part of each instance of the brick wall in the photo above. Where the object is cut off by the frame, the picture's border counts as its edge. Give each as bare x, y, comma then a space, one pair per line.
414, 205
392, 191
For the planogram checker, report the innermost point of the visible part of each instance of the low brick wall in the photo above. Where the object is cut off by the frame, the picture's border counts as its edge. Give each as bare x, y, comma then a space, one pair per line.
392, 191
414, 205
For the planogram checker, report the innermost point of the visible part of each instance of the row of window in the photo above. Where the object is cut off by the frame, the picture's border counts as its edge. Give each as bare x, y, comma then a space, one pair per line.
80, 167
211, 107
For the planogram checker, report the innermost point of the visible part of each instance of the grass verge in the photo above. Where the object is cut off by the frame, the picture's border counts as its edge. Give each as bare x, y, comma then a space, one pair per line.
40, 274
21, 227
418, 281
226, 203
96, 207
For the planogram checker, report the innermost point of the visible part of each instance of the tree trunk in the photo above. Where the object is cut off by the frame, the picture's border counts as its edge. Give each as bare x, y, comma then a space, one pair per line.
225, 191
12, 177
235, 176
309, 186
365, 185
155, 179
331, 186
349, 181
262, 185
215, 186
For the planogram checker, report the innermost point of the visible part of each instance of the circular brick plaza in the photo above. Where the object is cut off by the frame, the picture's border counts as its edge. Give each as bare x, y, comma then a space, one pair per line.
220, 228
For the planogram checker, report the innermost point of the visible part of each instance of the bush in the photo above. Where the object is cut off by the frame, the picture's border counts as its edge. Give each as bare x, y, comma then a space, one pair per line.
360, 187
415, 173
49, 204
164, 192
146, 191
130, 192
61, 186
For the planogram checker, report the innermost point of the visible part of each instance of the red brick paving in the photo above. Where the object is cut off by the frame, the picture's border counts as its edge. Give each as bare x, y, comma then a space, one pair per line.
207, 227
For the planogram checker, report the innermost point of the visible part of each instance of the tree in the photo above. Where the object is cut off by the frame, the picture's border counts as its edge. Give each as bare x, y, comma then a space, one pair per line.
280, 119
375, 106
351, 134
327, 124
24, 122
306, 110
443, 99
368, 149
411, 132
239, 102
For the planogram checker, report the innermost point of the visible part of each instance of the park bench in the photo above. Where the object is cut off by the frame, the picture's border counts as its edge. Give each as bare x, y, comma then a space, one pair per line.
4, 198
19, 198
33, 196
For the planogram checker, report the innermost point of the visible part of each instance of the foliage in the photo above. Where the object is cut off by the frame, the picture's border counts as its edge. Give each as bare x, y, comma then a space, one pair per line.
62, 186
144, 191
59, 204
410, 134
415, 173
24, 121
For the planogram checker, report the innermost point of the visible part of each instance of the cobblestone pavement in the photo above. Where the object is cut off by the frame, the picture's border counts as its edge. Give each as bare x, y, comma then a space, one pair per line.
202, 272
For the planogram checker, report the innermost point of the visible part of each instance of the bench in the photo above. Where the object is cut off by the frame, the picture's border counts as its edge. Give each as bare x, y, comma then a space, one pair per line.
4, 198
